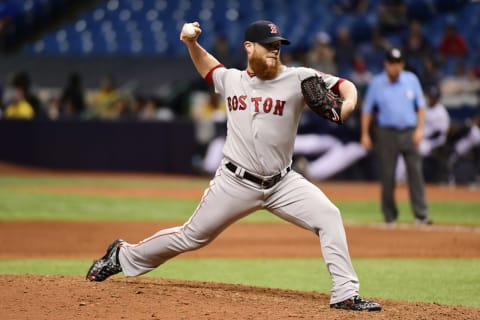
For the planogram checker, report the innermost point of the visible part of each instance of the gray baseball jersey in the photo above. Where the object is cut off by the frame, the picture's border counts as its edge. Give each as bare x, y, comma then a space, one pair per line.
263, 116
255, 174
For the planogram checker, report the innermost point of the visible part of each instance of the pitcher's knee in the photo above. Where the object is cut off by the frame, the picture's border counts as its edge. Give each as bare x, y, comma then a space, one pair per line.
327, 217
331, 212
195, 240
333, 209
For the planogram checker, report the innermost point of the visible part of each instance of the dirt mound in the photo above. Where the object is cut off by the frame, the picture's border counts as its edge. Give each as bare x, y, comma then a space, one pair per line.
60, 297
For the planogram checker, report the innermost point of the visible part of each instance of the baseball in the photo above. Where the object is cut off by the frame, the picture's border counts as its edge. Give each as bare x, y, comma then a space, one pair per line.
189, 30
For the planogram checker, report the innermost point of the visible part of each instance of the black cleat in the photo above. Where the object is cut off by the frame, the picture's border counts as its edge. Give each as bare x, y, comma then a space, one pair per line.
357, 304
423, 222
108, 265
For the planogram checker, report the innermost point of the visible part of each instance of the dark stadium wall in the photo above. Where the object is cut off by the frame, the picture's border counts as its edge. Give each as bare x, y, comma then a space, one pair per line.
97, 145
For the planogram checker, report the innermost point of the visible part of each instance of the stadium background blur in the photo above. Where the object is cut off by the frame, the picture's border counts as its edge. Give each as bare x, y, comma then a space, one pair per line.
112, 86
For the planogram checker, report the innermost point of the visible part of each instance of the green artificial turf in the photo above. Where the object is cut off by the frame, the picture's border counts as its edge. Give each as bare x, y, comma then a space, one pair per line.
36, 206
22, 198
444, 281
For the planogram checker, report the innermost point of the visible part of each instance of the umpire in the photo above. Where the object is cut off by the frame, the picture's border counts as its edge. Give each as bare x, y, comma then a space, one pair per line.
395, 96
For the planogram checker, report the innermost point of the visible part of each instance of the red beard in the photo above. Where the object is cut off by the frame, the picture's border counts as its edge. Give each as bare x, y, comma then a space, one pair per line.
262, 70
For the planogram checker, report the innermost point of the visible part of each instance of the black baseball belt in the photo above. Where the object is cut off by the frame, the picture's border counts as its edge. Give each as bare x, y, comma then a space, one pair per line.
264, 183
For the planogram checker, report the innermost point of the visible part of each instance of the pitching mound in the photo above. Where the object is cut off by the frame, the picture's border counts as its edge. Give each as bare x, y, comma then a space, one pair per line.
58, 297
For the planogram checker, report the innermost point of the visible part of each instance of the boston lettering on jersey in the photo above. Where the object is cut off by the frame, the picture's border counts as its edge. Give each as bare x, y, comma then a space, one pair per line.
260, 104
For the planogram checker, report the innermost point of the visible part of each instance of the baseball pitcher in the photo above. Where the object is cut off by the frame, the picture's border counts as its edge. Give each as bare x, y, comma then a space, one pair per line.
264, 103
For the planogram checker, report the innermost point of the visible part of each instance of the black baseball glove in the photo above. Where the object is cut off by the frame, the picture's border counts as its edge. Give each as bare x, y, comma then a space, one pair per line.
321, 99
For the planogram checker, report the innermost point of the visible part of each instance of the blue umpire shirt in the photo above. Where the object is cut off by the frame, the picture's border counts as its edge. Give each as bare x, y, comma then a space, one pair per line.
396, 102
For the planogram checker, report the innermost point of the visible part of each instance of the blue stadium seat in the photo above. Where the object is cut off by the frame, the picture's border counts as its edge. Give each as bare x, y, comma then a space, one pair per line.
136, 27
421, 10
443, 6
361, 28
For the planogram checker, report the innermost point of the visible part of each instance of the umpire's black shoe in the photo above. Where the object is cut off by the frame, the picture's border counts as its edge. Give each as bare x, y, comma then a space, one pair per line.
423, 222
108, 265
358, 304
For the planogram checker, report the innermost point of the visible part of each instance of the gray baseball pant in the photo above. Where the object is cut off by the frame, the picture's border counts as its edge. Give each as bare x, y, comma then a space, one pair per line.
230, 198
390, 144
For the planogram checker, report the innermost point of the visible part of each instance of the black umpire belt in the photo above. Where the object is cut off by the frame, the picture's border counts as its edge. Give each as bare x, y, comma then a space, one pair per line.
264, 183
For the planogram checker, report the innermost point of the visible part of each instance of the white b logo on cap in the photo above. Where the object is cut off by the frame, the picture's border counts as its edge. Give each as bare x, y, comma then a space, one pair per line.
273, 28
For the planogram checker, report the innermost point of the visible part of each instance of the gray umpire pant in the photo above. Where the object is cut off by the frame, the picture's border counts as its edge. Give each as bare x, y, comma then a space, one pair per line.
390, 144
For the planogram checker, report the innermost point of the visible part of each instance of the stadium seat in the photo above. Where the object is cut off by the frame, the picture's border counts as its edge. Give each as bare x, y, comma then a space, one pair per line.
421, 10
140, 27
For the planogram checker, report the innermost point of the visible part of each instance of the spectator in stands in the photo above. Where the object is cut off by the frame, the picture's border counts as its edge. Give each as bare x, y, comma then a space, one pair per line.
373, 51
209, 115
392, 15
149, 110
104, 98
435, 130
359, 7
53, 108
153, 110
121, 108
452, 43
461, 88
221, 48
19, 107
22, 85
431, 75
293, 58
360, 74
322, 55
396, 96
210, 108
344, 51
72, 98
416, 47
128, 107
137, 105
